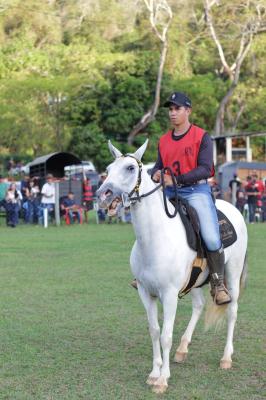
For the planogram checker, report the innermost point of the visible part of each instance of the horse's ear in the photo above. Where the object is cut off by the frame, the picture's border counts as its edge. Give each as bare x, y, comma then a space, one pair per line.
139, 153
114, 151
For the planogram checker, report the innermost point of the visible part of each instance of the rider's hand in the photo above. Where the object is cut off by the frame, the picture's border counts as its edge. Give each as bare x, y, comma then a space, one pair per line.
156, 177
168, 180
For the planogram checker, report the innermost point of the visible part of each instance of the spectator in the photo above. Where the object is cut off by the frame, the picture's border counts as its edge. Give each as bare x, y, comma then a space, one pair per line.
3, 188
101, 212
259, 184
234, 185
241, 199
35, 199
252, 193
87, 199
31, 205
114, 213
236, 181
48, 198
12, 205
72, 210
24, 188
263, 206
127, 215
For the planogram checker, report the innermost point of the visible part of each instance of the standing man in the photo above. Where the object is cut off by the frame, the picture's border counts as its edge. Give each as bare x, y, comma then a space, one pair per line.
87, 196
188, 151
48, 197
252, 193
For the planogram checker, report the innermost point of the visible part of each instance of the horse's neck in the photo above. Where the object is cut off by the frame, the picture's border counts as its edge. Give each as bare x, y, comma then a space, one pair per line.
148, 215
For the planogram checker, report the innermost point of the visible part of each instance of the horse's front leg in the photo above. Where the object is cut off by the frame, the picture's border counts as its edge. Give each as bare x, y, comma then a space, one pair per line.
169, 302
150, 305
198, 302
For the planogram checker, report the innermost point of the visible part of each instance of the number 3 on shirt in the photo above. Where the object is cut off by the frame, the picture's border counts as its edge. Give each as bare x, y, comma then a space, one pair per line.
176, 168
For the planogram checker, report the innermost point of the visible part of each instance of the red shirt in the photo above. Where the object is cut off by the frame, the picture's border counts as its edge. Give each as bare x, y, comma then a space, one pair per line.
87, 192
182, 155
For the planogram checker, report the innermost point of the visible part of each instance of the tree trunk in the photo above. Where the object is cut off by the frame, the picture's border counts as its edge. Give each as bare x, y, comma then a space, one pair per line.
150, 114
219, 121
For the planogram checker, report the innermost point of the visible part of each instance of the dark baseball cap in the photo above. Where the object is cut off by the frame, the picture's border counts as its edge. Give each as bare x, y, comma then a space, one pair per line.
179, 99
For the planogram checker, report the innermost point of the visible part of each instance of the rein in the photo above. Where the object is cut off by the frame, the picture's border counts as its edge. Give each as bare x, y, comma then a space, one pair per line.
177, 197
162, 184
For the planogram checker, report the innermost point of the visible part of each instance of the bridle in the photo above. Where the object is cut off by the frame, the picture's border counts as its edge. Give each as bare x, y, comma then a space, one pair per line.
138, 197
137, 186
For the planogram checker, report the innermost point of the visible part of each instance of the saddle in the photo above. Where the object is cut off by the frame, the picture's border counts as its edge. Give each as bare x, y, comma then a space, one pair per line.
190, 221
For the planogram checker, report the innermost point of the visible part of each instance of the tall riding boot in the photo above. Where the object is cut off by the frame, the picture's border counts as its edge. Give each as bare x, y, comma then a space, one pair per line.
219, 292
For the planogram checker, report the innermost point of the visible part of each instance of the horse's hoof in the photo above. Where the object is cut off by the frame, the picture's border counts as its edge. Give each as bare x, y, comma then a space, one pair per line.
225, 364
159, 389
180, 357
151, 380
160, 385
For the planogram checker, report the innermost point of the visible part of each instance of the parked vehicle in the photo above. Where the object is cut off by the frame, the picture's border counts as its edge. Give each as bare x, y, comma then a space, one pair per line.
75, 169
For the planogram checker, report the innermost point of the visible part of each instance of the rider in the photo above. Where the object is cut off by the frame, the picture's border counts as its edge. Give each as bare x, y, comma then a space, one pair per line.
187, 150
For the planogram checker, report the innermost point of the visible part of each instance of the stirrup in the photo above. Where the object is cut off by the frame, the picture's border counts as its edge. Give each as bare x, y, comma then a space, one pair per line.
225, 297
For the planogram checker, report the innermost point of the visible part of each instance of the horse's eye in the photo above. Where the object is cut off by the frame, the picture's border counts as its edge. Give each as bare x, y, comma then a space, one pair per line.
130, 168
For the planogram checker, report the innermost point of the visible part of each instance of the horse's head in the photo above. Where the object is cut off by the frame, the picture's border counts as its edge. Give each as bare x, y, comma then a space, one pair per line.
123, 178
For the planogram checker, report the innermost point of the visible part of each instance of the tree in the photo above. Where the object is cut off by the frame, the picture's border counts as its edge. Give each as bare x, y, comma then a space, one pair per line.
251, 22
160, 19
73, 66
89, 143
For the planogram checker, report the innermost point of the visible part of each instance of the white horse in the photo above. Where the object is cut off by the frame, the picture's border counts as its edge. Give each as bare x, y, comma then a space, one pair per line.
161, 260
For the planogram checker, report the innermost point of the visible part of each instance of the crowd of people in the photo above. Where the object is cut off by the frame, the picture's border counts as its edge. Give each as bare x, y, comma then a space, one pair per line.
249, 196
32, 202
28, 200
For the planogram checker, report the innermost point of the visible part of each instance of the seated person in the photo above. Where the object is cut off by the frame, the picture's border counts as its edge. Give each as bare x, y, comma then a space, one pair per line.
72, 210
127, 215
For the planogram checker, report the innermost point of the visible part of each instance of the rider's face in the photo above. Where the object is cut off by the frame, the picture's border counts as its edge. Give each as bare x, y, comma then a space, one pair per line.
179, 114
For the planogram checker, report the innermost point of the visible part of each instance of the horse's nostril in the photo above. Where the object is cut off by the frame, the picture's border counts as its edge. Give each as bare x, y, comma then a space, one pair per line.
108, 193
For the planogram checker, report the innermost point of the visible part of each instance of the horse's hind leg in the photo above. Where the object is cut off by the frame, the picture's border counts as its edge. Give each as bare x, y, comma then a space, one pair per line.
226, 361
150, 305
198, 302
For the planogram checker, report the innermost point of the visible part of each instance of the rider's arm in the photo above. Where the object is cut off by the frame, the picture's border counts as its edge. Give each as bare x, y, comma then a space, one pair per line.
158, 165
205, 163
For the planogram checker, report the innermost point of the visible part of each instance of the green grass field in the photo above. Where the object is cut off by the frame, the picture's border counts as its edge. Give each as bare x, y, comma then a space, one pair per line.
71, 327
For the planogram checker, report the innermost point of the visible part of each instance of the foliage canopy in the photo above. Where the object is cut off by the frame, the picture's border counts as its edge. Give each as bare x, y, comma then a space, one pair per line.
74, 73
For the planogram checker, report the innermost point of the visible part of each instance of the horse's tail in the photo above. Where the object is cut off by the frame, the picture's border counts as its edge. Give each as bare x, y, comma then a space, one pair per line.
215, 315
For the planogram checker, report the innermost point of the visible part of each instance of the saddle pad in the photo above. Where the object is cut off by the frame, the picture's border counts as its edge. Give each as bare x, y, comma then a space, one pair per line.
227, 231
191, 223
